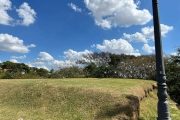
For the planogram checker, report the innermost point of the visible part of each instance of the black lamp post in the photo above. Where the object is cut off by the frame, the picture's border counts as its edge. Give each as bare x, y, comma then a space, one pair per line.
163, 110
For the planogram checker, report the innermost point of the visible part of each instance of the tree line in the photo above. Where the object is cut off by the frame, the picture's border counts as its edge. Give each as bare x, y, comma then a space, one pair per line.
10, 70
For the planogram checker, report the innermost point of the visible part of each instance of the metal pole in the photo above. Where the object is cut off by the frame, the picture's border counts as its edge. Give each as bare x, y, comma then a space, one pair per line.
163, 110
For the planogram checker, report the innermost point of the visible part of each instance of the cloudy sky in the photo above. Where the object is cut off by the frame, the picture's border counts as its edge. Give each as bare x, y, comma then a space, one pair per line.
49, 34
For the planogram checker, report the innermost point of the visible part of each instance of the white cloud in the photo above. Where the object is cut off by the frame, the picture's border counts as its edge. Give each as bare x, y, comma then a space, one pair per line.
119, 46
14, 60
74, 7
148, 49
43, 66
56, 64
174, 54
165, 29
137, 37
113, 13
9, 43
138, 2
27, 14
135, 54
37, 65
5, 5
31, 45
93, 45
44, 57
147, 33
18, 57
104, 23
42, 62
0, 61
29, 64
38, 62
72, 55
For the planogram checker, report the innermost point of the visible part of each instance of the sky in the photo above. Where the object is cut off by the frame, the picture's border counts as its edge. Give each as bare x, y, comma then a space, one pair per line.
52, 34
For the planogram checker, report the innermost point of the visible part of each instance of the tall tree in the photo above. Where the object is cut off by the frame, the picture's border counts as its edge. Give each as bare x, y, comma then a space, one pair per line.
176, 58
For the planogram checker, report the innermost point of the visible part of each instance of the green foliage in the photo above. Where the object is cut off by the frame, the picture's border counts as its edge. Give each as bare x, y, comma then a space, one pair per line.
42, 72
103, 65
69, 72
54, 75
91, 70
173, 81
176, 58
7, 76
10, 70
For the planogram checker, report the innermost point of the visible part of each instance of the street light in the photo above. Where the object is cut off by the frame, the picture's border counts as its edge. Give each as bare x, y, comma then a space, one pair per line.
163, 110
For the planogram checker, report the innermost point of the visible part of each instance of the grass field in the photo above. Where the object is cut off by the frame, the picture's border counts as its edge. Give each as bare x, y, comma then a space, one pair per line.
78, 99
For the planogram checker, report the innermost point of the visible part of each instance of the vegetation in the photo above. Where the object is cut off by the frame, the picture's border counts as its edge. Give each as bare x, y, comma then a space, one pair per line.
173, 75
148, 108
10, 70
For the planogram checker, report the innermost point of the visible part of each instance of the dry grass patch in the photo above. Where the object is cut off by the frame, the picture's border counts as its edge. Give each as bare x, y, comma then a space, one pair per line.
72, 99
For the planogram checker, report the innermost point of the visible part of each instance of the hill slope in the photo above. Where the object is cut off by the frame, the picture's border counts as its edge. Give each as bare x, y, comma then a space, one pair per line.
73, 99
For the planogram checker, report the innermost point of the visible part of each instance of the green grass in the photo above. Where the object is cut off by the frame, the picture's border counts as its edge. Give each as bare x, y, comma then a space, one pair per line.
148, 108
76, 99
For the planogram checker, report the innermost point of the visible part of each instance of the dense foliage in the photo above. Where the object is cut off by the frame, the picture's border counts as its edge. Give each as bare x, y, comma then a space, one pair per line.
173, 77
10, 70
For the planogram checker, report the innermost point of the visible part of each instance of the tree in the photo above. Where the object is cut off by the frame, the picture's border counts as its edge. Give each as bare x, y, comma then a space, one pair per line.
119, 66
8, 65
71, 72
176, 58
42, 72
173, 77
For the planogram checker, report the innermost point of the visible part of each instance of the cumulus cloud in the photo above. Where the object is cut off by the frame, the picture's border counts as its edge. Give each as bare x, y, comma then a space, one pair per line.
44, 57
37, 65
10, 43
42, 62
14, 60
56, 64
147, 33
148, 49
113, 13
165, 29
137, 37
74, 7
27, 14
119, 46
174, 54
72, 55
5, 19
43, 66
18, 57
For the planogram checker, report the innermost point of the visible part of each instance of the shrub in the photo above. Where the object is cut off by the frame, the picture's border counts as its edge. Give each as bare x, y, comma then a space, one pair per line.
173, 81
7, 76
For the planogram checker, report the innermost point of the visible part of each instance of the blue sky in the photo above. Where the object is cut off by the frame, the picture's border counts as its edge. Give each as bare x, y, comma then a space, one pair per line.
54, 34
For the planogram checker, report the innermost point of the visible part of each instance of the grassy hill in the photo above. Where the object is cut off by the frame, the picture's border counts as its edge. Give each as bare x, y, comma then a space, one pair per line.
79, 99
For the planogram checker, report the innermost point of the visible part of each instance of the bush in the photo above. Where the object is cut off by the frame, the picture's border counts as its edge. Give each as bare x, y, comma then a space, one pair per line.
173, 81
7, 76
